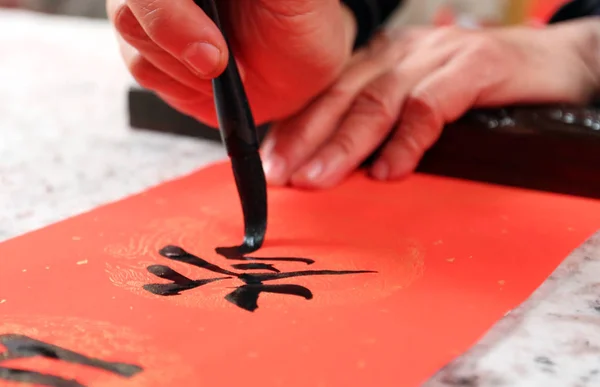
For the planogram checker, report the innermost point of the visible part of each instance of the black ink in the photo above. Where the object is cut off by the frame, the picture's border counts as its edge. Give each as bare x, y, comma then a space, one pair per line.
260, 278
236, 253
31, 377
252, 189
180, 282
20, 347
178, 254
255, 266
245, 296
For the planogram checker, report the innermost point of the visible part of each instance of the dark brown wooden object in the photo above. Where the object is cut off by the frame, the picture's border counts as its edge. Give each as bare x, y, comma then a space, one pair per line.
549, 148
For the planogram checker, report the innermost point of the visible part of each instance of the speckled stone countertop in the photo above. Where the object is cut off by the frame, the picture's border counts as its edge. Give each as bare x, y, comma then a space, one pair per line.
65, 148
65, 144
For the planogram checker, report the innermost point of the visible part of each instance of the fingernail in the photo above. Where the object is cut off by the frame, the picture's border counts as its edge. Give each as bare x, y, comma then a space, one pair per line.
203, 57
314, 170
380, 170
274, 167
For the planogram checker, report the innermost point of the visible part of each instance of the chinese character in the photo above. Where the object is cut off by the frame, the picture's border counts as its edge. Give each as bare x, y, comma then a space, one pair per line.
244, 296
20, 347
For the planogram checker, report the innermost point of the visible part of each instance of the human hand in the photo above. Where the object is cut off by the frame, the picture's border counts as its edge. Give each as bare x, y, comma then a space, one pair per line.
288, 51
403, 88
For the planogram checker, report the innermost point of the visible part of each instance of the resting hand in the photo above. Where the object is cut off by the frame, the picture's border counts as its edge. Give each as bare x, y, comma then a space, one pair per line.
403, 88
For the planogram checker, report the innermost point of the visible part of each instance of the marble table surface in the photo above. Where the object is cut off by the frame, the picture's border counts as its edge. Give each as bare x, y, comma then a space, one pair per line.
65, 148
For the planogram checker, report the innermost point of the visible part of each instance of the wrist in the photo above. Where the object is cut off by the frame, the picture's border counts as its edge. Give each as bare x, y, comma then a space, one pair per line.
576, 51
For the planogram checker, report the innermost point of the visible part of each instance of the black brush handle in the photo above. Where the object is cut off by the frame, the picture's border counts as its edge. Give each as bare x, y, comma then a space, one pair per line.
236, 124
239, 135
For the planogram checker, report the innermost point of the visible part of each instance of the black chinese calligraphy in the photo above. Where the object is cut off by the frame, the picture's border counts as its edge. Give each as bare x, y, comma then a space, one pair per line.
179, 281
245, 296
19, 347
237, 253
255, 266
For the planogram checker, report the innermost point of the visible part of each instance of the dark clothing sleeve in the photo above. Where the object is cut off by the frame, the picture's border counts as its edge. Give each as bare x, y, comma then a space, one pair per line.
576, 9
370, 15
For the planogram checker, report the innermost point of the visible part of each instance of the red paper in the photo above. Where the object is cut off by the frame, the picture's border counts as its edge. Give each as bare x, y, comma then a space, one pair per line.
451, 258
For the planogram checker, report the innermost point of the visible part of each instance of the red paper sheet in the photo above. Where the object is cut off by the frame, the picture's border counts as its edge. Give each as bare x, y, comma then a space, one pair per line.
451, 258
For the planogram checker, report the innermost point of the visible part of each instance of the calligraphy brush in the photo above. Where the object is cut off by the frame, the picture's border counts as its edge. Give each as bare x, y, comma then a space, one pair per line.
238, 134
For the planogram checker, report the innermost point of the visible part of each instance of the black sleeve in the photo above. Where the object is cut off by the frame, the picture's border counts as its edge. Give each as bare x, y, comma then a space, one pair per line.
576, 9
370, 15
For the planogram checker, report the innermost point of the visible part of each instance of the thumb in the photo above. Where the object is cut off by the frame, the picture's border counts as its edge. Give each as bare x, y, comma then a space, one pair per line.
182, 29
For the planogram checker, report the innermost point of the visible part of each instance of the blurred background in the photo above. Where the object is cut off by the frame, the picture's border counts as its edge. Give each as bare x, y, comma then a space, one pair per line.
85, 8
439, 12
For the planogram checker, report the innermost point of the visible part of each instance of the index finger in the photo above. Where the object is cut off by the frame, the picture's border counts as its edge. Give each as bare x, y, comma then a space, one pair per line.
182, 29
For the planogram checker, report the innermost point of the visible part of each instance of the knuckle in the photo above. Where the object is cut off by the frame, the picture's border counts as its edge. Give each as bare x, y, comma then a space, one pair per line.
292, 135
345, 143
155, 18
422, 102
339, 91
299, 137
373, 101
485, 48
431, 120
407, 141
127, 24
489, 54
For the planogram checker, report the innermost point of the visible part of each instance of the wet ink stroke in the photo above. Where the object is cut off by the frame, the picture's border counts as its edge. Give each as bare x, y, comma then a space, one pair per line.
237, 253
245, 296
21, 347
255, 266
